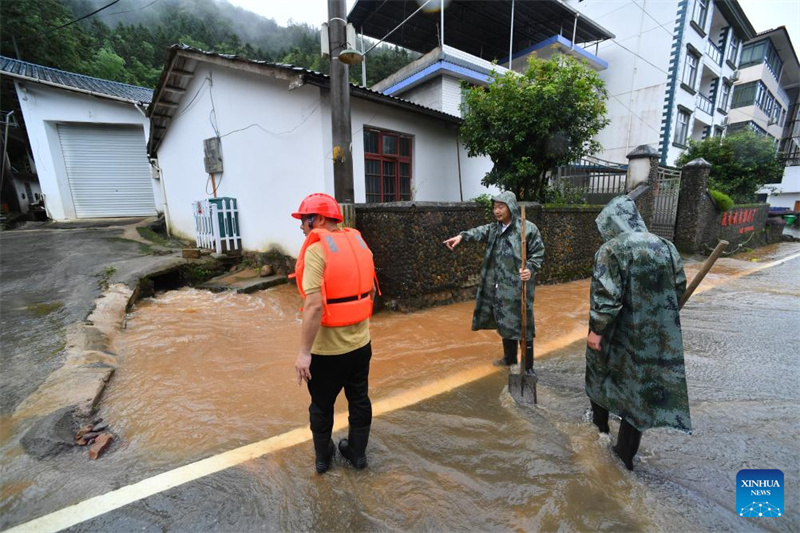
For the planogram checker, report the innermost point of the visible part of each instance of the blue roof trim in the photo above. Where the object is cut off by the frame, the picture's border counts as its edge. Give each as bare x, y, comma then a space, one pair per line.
432, 69
558, 39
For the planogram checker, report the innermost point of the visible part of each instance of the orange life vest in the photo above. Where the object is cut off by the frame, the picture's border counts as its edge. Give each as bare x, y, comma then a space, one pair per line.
348, 277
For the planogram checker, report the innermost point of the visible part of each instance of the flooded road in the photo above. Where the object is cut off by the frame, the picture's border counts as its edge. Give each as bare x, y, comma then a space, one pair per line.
203, 374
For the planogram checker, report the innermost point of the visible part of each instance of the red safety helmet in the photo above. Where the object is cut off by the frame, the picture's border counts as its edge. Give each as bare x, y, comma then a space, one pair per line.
319, 203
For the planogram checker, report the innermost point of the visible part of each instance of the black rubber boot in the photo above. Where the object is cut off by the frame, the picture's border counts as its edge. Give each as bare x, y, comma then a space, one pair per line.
628, 442
529, 359
509, 353
600, 418
324, 450
354, 447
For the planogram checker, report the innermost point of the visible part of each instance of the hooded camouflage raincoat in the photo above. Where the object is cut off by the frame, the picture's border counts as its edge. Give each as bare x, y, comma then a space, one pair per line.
637, 282
498, 303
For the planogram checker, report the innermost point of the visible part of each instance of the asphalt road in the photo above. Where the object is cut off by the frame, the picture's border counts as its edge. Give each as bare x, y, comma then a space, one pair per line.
50, 277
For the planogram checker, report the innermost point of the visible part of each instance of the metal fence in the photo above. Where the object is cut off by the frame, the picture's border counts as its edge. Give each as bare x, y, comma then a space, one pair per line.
595, 180
668, 187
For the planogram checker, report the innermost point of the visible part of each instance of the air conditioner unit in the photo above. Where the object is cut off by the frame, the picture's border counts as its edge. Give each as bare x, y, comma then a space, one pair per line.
725, 121
735, 75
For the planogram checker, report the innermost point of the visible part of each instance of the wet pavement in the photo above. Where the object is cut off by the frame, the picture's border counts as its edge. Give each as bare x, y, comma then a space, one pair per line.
202, 374
50, 277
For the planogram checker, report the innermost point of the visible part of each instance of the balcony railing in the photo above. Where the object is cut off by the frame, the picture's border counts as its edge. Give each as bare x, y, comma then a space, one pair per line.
704, 103
714, 52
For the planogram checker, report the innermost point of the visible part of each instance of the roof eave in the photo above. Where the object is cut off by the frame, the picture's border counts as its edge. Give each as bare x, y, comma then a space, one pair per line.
736, 16
72, 89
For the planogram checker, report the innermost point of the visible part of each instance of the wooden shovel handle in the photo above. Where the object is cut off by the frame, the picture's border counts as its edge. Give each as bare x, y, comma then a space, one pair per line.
707, 264
523, 336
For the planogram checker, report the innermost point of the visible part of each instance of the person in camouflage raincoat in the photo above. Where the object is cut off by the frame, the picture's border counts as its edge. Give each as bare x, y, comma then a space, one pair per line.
634, 359
497, 303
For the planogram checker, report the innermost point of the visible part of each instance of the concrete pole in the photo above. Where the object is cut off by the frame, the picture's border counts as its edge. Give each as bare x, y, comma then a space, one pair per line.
340, 105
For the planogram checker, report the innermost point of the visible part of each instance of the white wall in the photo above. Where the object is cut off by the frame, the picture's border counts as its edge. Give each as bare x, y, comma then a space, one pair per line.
268, 167
44, 107
787, 192
636, 85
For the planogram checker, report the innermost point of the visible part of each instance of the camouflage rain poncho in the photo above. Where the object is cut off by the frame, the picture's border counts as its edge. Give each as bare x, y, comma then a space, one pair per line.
500, 308
637, 281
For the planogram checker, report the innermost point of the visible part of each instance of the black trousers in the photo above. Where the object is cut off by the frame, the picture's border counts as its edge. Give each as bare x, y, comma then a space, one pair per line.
329, 375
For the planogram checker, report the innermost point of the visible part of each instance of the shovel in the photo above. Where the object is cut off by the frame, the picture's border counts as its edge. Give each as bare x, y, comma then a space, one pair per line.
523, 386
707, 264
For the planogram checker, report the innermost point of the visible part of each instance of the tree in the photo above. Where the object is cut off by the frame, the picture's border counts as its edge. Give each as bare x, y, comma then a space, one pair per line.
740, 163
531, 123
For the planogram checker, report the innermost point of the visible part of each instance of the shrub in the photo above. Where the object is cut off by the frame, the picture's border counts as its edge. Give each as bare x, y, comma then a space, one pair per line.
723, 201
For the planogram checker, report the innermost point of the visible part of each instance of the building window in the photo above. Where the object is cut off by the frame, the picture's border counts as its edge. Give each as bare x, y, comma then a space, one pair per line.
733, 48
387, 166
690, 69
682, 128
724, 95
717, 131
699, 13
762, 52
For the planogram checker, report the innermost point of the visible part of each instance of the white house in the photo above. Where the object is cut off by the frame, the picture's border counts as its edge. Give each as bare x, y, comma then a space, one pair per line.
88, 140
274, 129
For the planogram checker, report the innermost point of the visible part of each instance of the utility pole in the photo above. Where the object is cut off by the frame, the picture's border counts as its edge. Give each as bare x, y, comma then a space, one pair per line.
340, 104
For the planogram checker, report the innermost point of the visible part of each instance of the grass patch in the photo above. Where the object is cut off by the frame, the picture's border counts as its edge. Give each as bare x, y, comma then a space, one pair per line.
152, 236
105, 276
44, 309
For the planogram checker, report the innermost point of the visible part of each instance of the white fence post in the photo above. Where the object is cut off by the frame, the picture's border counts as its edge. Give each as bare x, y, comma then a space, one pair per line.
216, 225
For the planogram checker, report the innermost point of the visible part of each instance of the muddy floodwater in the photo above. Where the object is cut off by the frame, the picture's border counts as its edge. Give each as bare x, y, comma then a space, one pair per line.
203, 373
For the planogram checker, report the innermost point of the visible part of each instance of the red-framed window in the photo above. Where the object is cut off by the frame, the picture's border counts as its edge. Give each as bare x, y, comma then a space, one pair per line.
387, 166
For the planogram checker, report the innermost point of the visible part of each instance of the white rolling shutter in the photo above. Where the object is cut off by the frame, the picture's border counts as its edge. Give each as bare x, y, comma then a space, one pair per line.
107, 170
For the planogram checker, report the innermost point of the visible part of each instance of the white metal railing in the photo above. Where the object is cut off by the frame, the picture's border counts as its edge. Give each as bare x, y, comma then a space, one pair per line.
217, 226
714, 52
704, 103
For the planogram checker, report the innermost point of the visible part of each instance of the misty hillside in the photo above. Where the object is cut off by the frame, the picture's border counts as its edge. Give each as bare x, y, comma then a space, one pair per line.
127, 41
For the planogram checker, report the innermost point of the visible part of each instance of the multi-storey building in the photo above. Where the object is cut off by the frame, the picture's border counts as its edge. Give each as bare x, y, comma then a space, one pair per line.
767, 88
669, 64
671, 70
765, 100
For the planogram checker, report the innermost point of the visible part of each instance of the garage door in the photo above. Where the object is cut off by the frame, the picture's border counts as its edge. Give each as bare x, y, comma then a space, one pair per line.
107, 170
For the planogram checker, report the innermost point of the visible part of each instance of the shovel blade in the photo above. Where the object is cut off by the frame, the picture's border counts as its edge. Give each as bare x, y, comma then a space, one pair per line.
523, 388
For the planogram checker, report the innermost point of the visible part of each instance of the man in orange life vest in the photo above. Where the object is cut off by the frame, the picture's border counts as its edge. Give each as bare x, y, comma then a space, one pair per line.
335, 275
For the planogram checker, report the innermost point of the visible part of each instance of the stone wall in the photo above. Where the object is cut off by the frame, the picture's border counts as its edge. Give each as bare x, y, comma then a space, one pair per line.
570, 238
416, 270
743, 226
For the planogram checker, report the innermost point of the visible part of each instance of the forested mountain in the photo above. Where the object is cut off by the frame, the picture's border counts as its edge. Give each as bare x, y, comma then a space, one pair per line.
127, 41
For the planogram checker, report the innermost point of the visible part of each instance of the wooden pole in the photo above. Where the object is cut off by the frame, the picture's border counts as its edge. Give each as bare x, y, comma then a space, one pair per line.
703, 271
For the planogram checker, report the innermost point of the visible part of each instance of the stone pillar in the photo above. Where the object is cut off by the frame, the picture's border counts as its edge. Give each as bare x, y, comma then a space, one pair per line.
643, 169
695, 224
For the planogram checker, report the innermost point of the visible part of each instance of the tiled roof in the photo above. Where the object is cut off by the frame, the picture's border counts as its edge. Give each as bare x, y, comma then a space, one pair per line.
181, 64
72, 81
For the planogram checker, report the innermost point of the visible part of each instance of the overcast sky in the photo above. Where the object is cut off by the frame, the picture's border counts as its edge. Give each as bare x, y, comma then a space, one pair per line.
763, 14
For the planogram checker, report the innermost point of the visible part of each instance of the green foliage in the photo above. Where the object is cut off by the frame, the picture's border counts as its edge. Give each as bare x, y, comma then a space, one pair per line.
485, 201
134, 49
531, 123
740, 163
564, 194
723, 201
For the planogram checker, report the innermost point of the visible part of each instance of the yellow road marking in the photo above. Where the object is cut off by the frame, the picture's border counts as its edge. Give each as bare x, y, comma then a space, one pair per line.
99, 505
